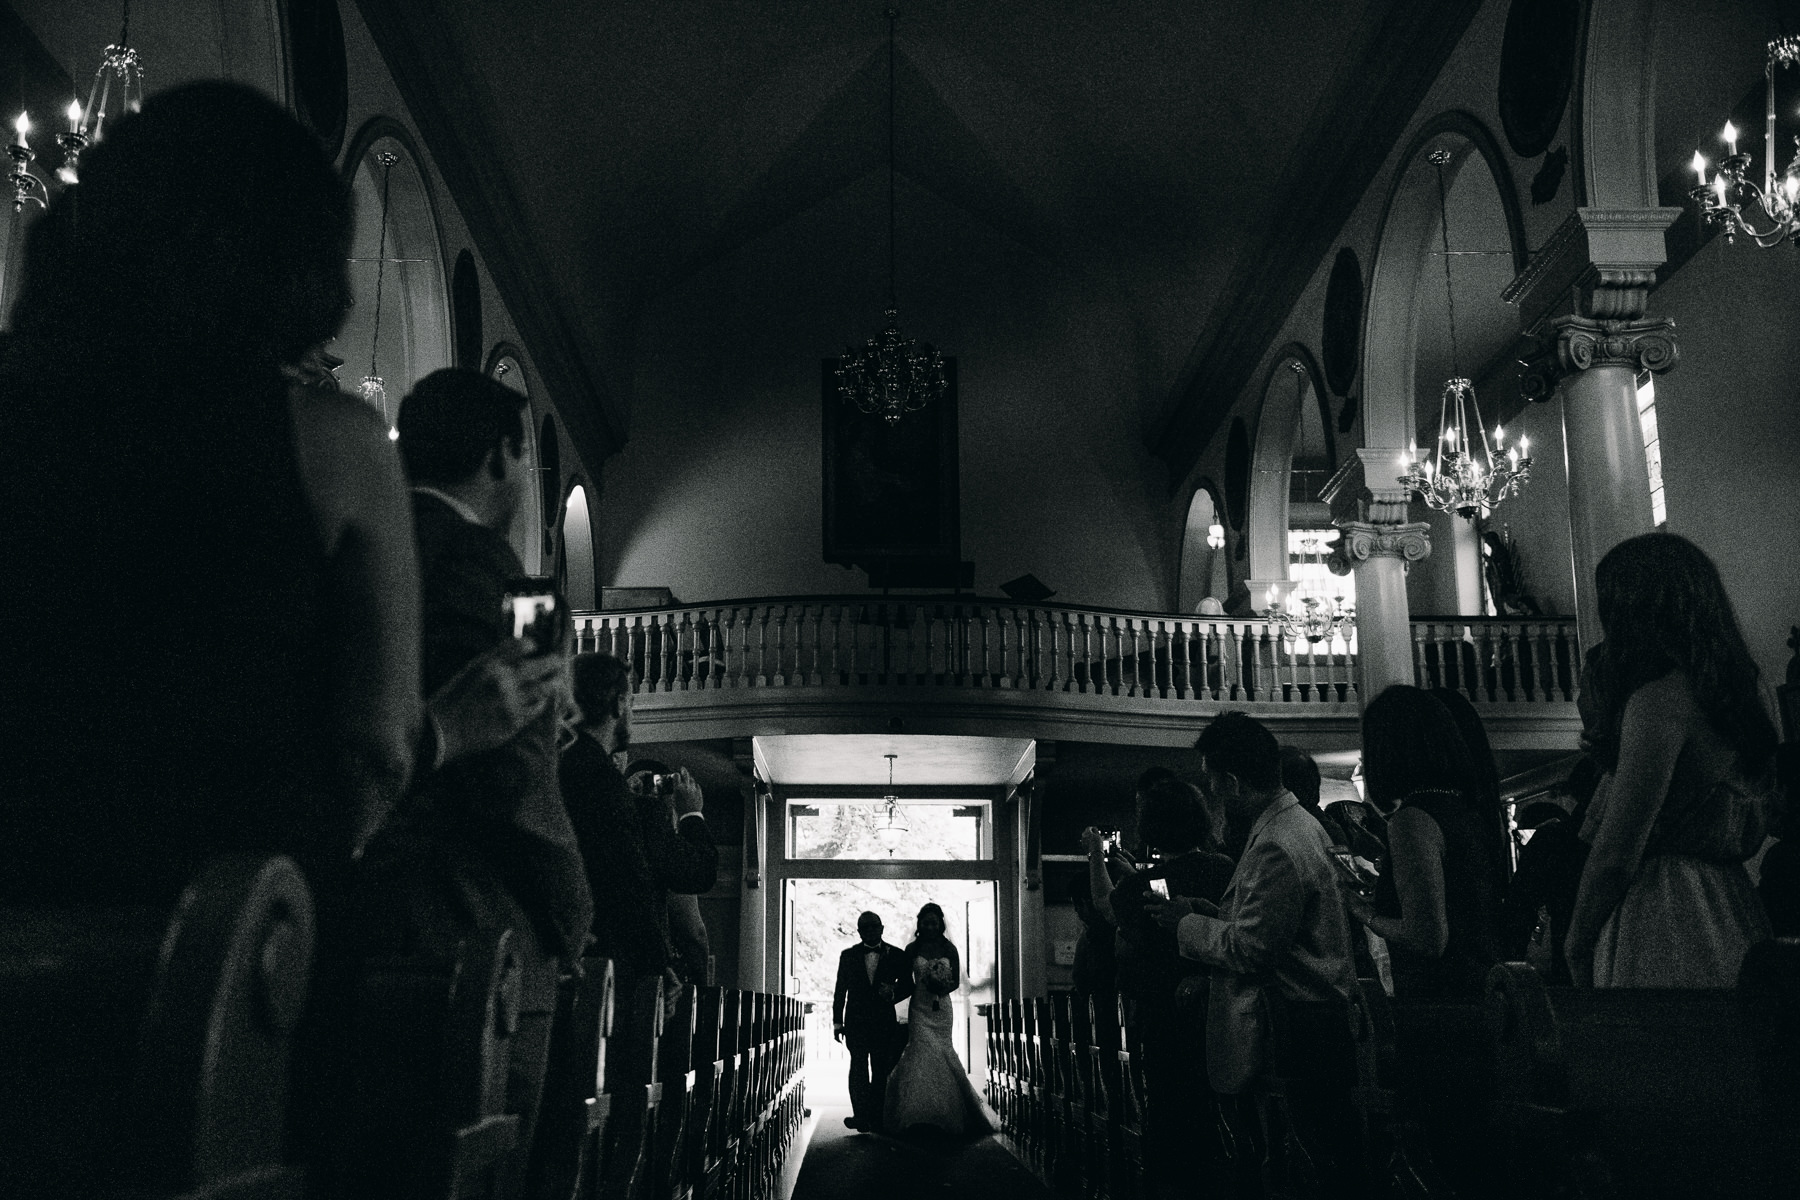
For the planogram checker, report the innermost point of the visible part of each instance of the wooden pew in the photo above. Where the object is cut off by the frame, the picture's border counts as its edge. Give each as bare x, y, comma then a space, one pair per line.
680, 1124
629, 1166
147, 1052
566, 1159
1630, 1092
430, 1047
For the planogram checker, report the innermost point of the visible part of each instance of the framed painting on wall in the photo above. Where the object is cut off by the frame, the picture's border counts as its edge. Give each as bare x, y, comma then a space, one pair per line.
890, 491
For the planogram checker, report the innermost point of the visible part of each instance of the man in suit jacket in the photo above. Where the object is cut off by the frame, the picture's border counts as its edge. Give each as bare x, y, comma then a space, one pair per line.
484, 838
872, 977
637, 848
1278, 944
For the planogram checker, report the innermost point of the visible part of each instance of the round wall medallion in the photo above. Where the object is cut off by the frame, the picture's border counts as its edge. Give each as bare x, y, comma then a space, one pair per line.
1537, 70
315, 36
465, 311
1341, 339
1237, 473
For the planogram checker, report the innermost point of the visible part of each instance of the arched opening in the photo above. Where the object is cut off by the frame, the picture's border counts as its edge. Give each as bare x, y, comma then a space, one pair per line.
578, 552
1294, 458
527, 530
1409, 353
1205, 565
400, 278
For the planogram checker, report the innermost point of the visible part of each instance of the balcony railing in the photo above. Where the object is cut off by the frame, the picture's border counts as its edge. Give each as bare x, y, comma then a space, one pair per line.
820, 642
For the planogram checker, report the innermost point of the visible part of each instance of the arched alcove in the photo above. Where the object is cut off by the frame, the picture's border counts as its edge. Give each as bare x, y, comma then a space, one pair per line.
1205, 569
526, 532
579, 583
414, 308
318, 69
1293, 458
1408, 354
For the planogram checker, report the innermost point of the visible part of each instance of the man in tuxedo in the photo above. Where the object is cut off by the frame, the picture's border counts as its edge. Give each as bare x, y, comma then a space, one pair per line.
872, 977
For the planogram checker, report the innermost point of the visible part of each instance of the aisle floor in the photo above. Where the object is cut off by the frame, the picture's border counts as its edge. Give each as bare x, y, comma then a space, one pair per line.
842, 1164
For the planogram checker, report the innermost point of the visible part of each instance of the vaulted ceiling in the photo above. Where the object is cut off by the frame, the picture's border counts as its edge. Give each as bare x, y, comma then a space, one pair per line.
1174, 155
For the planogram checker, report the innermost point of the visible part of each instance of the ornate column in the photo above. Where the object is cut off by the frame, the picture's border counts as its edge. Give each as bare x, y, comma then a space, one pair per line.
1377, 542
1601, 264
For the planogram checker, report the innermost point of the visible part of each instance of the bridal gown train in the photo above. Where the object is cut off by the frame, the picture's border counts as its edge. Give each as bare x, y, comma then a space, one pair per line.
929, 1085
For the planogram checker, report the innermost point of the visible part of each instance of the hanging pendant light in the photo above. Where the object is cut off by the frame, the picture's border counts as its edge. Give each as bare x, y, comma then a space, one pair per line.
372, 388
121, 74
1461, 473
891, 375
895, 828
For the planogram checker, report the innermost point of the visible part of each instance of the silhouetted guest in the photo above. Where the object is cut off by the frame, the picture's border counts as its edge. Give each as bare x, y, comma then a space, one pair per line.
1300, 775
678, 845
1094, 970
1484, 794
1779, 888
1279, 939
1665, 899
485, 839
1170, 991
249, 539
1437, 903
1549, 875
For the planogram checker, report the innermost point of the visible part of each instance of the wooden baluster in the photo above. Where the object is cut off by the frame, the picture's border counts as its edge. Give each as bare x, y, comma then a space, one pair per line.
1166, 632
760, 622
1060, 664
1548, 683
1261, 666
929, 619
818, 671
965, 644
1533, 638
1507, 664
1003, 621
1026, 675
1181, 659
685, 662
1421, 668
985, 677
671, 649
1128, 680
779, 677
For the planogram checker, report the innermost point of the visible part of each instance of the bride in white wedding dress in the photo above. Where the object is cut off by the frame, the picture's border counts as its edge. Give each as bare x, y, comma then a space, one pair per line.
929, 1087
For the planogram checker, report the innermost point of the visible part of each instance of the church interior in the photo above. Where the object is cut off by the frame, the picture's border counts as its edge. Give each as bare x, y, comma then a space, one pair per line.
946, 413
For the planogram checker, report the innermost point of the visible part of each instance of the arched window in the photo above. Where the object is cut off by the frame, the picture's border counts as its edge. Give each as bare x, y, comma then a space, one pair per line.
578, 552
1204, 562
527, 530
408, 267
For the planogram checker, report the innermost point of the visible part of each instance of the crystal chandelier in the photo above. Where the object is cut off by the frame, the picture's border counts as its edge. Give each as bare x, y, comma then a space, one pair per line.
891, 376
119, 68
894, 830
1215, 536
1308, 615
1464, 472
26, 187
1723, 199
372, 388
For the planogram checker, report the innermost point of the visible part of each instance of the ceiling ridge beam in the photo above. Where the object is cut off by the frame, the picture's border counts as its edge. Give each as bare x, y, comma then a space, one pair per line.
1345, 145
448, 123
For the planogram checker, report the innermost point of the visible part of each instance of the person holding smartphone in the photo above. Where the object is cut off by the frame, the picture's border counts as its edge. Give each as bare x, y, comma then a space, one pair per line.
1168, 990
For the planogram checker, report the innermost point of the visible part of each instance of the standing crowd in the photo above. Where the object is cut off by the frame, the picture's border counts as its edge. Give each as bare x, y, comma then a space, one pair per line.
315, 656
1240, 922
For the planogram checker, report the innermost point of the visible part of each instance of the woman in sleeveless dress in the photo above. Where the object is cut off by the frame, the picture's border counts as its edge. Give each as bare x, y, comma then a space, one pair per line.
1665, 900
1438, 901
929, 1089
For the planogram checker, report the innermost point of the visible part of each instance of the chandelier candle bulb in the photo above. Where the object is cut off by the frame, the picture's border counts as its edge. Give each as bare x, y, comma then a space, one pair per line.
22, 126
1700, 167
74, 116
1730, 135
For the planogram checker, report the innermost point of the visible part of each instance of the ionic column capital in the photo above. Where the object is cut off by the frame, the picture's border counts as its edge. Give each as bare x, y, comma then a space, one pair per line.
1582, 343
1360, 541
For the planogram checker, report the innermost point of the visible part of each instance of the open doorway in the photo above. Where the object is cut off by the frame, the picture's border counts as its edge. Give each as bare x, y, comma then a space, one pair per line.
821, 923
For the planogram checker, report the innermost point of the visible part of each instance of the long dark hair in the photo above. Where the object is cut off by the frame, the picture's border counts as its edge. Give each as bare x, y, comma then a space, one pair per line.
930, 909
1664, 608
1484, 793
1411, 743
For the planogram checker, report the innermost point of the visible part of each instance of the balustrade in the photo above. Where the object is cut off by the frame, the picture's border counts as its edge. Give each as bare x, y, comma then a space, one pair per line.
812, 642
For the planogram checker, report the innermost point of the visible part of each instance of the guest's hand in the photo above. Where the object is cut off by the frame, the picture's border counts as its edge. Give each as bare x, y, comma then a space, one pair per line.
1361, 911
688, 796
1093, 842
495, 695
837, 1031
1168, 913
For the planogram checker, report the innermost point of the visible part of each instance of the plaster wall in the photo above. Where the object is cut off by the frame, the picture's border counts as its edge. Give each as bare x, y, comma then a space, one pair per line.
1729, 416
717, 494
